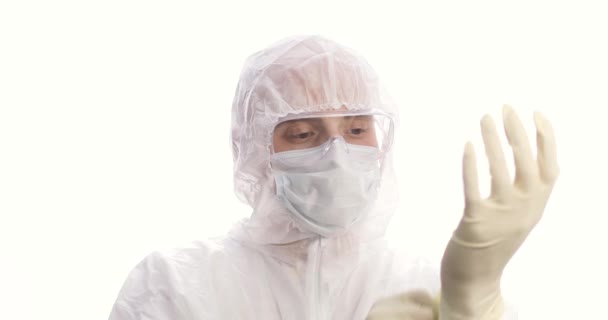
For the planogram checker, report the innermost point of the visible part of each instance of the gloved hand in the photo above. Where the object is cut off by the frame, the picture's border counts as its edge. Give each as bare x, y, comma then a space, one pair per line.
412, 305
492, 229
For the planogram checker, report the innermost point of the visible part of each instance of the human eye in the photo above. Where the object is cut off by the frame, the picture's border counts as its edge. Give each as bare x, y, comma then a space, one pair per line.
358, 131
359, 127
301, 135
300, 132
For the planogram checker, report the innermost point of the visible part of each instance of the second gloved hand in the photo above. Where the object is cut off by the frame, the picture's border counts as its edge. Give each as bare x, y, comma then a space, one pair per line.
492, 229
411, 305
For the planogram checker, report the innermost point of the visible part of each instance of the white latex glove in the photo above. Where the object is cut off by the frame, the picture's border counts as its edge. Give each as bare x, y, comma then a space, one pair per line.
492, 229
412, 305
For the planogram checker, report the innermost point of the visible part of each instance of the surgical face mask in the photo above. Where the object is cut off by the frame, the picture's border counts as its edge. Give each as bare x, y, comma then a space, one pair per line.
328, 195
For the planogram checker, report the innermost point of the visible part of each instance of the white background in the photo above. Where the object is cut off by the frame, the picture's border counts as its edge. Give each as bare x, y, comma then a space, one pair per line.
115, 115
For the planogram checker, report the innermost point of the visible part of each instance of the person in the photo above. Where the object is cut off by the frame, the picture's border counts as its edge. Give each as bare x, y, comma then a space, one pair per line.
312, 135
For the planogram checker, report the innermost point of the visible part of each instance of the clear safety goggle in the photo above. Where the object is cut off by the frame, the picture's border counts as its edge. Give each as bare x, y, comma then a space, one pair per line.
311, 130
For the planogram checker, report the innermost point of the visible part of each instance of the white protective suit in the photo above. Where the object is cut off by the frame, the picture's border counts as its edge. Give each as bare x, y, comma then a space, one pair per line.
269, 267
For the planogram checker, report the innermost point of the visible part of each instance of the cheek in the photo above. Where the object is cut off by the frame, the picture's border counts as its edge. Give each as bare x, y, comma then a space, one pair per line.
372, 142
280, 144
369, 140
277, 144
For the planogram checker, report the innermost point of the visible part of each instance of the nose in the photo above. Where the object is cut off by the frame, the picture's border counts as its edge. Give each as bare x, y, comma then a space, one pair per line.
335, 142
332, 130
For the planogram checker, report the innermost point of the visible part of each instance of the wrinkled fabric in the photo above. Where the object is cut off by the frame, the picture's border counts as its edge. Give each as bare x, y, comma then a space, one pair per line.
268, 266
225, 279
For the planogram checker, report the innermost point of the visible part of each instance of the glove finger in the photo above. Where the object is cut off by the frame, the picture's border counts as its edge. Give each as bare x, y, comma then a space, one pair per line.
402, 314
469, 174
546, 149
412, 305
501, 182
526, 169
419, 297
